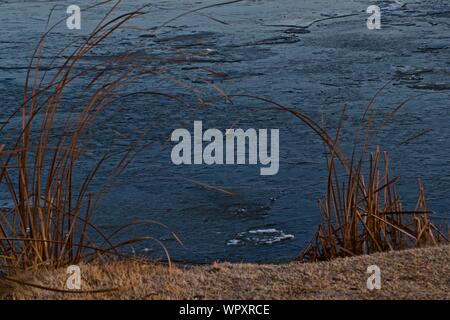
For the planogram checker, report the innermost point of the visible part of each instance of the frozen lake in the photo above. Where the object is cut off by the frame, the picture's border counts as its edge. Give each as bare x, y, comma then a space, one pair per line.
253, 47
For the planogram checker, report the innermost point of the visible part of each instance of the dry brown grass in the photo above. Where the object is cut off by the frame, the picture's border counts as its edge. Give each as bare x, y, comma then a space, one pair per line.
50, 219
409, 274
362, 214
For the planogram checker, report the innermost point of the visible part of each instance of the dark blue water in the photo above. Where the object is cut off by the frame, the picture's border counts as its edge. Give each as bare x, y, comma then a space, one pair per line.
253, 50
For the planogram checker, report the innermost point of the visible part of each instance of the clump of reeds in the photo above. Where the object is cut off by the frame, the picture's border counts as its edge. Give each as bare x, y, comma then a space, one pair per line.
49, 222
361, 212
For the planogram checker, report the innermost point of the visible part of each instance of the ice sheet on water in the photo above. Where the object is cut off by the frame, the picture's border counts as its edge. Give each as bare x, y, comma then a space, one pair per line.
260, 237
6, 204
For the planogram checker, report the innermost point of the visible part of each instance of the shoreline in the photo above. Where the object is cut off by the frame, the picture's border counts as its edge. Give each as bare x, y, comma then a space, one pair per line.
408, 274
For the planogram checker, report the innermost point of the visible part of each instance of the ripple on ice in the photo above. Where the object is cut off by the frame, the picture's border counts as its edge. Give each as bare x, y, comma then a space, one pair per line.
260, 237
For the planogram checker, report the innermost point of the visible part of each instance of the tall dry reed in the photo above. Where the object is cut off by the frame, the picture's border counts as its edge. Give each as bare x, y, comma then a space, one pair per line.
361, 211
49, 222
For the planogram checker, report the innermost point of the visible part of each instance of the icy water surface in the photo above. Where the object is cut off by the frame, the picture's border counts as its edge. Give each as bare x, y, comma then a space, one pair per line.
253, 47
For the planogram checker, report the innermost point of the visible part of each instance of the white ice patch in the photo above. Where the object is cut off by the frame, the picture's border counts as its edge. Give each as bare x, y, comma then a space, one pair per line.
260, 237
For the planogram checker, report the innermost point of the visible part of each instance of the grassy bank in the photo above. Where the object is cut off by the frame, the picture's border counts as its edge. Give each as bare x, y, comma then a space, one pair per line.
410, 274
